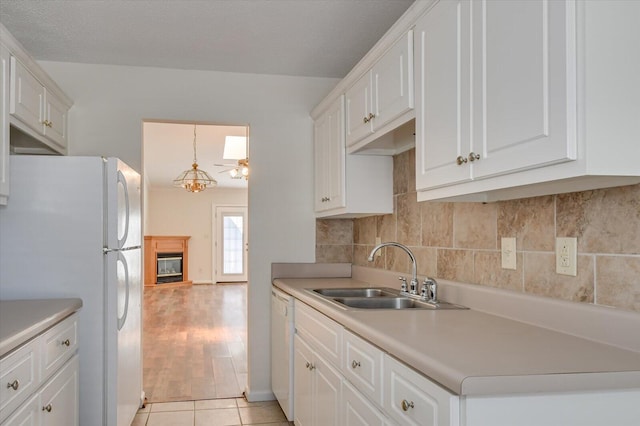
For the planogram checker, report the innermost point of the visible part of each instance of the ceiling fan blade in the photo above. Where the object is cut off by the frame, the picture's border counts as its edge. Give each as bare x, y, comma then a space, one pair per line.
225, 165
226, 170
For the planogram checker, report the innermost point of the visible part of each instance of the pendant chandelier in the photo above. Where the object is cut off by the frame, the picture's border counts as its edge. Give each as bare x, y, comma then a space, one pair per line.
194, 179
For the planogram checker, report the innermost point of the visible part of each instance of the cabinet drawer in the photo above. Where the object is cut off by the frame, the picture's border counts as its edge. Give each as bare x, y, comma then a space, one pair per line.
19, 377
59, 344
412, 399
324, 334
362, 366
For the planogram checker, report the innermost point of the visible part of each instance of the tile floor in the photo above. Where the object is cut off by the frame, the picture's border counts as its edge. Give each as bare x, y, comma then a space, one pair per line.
194, 342
213, 412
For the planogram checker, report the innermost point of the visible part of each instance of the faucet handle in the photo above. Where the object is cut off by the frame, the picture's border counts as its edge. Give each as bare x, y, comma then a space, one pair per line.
404, 284
430, 290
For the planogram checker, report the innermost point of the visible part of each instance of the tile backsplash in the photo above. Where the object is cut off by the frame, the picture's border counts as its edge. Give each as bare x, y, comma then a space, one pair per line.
461, 241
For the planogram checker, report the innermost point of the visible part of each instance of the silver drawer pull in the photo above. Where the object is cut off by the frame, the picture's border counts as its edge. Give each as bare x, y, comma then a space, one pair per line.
14, 385
312, 367
47, 408
355, 364
66, 343
406, 405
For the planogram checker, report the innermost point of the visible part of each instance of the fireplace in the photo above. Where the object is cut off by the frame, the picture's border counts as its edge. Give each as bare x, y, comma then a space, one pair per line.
169, 267
166, 260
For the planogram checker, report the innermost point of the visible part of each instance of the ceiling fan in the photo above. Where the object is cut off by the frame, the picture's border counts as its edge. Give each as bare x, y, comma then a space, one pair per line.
235, 148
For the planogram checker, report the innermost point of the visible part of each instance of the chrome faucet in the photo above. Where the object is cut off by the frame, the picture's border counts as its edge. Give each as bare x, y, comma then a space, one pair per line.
413, 286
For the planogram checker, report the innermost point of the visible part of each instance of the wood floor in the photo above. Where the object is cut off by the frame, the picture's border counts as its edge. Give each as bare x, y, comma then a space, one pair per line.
194, 342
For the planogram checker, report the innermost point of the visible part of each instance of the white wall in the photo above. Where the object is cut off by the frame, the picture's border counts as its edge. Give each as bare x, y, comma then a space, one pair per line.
110, 103
174, 211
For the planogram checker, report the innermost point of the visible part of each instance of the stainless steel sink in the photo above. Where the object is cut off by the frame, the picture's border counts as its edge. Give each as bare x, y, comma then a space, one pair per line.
382, 303
356, 292
377, 298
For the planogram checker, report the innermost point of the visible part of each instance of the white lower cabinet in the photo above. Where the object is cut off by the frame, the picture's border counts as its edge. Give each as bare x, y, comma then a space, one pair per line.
40, 379
56, 404
316, 386
412, 399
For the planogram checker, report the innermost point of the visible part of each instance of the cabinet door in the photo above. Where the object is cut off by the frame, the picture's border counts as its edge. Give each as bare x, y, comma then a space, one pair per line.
60, 398
442, 67
330, 158
303, 383
524, 85
27, 415
392, 78
55, 116
358, 110
358, 411
327, 400
27, 96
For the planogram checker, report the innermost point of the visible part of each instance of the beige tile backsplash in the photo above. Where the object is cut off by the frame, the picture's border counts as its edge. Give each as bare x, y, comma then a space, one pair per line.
461, 241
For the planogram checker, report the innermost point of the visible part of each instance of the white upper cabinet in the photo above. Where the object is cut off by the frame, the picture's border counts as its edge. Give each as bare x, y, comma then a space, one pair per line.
494, 81
379, 101
347, 185
330, 158
392, 79
37, 108
524, 111
522, 98
4, 124
359, 110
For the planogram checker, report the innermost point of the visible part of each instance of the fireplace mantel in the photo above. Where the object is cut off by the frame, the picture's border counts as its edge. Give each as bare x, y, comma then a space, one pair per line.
154, 244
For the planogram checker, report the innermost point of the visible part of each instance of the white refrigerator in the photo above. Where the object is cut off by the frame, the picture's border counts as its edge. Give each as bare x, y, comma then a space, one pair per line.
72, 228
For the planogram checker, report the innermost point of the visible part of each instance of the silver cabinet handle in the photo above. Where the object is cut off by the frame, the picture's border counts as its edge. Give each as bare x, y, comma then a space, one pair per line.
371, 116
355, 364
66, 343
14, 385
460, 160
473, 156
365, 120
406, 405
47, 408
307, 365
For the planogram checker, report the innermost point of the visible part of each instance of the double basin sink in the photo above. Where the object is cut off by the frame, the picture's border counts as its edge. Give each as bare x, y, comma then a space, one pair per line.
378, 298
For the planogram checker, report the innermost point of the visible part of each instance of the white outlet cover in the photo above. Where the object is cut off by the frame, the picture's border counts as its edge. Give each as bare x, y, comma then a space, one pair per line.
508, 251
567, 256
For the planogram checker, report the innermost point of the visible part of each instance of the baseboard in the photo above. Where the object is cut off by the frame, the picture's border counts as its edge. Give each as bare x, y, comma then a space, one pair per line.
256, 396
202, 282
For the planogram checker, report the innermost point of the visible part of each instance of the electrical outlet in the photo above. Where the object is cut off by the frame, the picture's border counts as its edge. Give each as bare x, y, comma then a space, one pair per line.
567, 256
508, 250
378, 241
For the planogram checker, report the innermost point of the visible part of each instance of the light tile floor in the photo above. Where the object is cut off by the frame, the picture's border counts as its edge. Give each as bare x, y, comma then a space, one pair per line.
212, 412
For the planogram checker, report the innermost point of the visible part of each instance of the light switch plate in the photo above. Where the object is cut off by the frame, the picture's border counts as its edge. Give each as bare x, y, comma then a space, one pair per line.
567, 256
508, 250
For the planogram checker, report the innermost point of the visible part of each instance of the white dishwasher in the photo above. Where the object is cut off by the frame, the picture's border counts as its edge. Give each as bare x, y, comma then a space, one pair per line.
282, 331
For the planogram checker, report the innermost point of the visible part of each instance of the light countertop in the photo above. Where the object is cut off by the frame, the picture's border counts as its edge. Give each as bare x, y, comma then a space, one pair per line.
476, 353
21, 320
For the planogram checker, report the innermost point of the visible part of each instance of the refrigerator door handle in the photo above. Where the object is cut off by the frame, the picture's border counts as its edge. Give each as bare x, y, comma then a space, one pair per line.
123, 181
106, 250
123, 318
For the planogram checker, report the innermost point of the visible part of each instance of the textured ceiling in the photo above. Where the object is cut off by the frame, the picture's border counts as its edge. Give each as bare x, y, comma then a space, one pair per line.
320, 38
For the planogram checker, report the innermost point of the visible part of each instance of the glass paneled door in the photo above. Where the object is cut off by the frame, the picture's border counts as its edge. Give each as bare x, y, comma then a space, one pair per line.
231, 244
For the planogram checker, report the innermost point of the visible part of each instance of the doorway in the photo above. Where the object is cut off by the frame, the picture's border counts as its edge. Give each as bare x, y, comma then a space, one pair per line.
195, 336
231, 243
